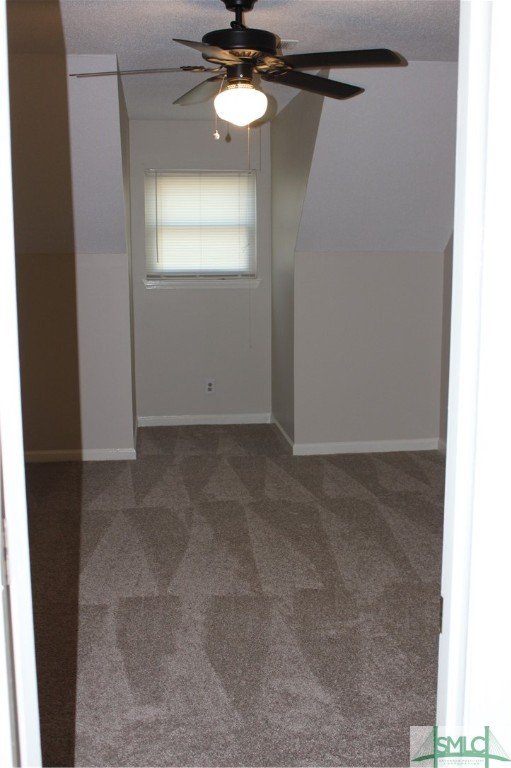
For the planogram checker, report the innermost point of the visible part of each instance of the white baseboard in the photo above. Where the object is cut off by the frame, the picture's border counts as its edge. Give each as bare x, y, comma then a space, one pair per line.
282, 431
370, 446
86, 454
442, 445
204, 419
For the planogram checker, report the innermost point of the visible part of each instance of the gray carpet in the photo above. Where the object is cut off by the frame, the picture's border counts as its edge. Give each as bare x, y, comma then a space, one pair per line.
221, 603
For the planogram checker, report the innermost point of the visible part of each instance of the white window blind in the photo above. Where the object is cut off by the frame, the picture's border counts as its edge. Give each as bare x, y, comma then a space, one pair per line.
200, 223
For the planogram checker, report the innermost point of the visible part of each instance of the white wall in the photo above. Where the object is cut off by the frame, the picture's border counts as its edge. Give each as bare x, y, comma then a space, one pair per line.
368, 333
293, 134
380, 184
369, 265
73, 281
185, 335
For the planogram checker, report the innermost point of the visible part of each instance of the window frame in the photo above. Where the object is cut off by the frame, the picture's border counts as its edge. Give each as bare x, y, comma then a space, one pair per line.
225, 279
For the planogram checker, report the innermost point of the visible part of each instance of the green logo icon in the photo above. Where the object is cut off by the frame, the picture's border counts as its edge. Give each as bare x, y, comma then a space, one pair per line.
459, 749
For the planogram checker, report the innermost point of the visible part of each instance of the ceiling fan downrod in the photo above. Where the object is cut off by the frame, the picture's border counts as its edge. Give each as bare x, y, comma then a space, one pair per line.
239, 7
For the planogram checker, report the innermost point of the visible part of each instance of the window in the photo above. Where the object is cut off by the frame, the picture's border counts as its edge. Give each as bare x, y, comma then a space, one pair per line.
200, 224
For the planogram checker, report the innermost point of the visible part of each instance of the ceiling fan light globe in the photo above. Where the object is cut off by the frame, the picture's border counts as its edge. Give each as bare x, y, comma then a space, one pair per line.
241, 104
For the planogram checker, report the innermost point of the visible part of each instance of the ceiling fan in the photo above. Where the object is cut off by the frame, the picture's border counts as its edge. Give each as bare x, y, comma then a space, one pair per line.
241, 56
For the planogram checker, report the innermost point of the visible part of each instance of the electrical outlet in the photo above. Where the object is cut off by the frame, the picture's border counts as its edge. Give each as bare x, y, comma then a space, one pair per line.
210, 386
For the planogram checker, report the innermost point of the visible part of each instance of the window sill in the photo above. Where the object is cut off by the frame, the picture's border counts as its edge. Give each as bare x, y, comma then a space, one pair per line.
200, 283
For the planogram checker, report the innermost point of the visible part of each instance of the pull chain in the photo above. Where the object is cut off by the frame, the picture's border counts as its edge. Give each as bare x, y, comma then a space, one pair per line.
216, 133
249, 290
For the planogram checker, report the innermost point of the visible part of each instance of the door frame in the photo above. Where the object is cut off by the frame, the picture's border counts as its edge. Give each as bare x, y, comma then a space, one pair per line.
474, 675
19, 712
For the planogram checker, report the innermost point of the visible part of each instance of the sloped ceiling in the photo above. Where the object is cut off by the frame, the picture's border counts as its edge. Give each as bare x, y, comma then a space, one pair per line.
140, 32
382, 177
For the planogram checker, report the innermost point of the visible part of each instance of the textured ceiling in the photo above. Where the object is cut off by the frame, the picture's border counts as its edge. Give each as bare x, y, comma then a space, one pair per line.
140, 32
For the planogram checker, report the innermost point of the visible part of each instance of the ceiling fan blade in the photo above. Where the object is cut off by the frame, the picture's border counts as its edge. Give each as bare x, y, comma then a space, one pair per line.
315, 84
144, 71
211, 51
202, 92
372, 57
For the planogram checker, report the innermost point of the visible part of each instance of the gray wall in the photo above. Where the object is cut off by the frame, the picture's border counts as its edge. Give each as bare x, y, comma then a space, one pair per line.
368, 341
184, 335
293, 134
99, 220
126, 177
381, 175
73, 281
369, 266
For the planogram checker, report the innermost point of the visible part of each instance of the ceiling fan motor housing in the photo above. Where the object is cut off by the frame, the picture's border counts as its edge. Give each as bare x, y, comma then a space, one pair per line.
253, 41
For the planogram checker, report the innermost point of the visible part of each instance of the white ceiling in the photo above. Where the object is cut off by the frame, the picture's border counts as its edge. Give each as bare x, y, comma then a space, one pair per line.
140, 32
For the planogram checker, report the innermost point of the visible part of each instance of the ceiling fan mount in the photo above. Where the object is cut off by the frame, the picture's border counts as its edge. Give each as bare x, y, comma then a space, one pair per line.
244, 5
246, 43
